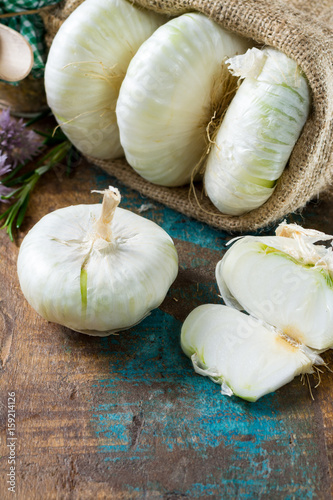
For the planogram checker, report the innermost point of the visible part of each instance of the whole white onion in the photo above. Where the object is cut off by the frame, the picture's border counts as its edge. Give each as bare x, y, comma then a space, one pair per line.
86, 65
96, 269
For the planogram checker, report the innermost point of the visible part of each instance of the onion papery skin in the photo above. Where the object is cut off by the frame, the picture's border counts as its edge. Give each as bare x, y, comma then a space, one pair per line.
164, 103
86, 64
261, 276
248, 358
258, 132
91, 285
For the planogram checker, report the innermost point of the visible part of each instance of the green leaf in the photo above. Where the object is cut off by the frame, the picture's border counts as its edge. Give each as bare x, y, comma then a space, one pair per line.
22, 211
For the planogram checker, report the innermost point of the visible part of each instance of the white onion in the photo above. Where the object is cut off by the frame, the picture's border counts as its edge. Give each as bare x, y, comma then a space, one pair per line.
165, 101
258, 132
286, 280
96, 269
247, 357
86, 64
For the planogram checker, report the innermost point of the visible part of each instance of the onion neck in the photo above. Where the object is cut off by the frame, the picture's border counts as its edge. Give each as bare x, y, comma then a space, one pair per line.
102, 227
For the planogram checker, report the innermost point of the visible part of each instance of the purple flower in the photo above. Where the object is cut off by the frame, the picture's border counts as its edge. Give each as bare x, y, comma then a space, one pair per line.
4, 191
16, 141
4, 168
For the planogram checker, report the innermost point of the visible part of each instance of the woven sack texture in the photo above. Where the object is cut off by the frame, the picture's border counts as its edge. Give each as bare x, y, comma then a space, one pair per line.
303, 30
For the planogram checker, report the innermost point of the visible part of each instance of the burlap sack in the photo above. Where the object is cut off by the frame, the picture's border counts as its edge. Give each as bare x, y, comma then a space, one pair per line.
300, 29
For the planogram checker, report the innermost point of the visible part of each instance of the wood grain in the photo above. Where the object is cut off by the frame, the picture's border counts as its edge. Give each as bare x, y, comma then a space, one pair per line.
125, 417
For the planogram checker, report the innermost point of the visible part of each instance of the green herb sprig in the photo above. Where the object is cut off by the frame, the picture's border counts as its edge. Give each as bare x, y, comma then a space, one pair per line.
59, 148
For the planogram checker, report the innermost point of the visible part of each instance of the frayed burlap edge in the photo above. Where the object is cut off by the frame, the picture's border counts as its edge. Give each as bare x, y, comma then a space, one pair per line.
304, 36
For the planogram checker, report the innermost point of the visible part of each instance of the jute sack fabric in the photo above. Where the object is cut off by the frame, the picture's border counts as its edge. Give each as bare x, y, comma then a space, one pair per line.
303, 30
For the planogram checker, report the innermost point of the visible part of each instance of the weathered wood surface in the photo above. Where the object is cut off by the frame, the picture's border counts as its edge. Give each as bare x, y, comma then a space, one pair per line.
125, 417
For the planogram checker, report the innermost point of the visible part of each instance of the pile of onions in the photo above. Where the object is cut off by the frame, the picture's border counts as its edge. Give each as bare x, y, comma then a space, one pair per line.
125, 81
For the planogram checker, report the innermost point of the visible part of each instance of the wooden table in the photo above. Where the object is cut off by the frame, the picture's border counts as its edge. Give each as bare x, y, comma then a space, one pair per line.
126, 417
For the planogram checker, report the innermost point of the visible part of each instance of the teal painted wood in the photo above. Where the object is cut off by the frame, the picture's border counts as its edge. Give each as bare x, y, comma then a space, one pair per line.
165, 432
